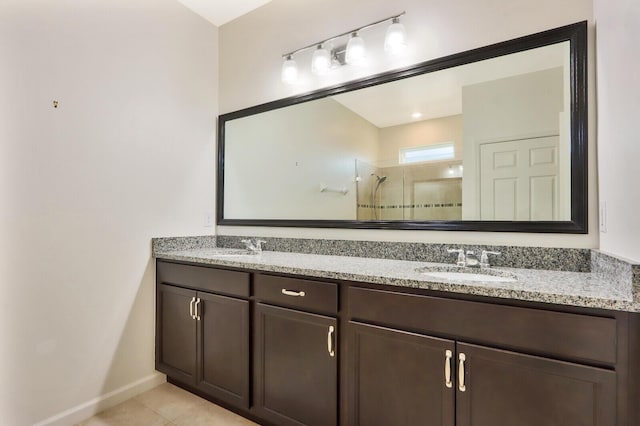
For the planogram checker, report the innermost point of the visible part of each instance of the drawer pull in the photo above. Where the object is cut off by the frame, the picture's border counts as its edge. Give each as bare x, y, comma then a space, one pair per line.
330, 340
461, 386
292, 293
193, 299
447, 368
197, 316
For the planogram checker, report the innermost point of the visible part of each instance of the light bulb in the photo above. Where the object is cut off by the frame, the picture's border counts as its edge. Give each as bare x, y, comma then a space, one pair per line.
320, 61
289, 71
395, 41
356, 50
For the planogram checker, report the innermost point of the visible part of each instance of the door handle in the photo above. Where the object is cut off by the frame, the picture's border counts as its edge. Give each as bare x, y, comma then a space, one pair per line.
461, 359
447, 368
197, 316
330, 341
292, 293
193, 299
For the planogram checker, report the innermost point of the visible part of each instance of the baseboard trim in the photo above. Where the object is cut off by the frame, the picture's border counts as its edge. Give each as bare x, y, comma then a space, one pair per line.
85, 410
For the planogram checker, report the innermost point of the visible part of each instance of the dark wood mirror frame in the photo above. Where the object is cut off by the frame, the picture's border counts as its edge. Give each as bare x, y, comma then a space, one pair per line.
576, 34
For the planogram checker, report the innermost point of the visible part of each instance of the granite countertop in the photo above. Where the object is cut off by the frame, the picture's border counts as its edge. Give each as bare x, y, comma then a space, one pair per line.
585, 289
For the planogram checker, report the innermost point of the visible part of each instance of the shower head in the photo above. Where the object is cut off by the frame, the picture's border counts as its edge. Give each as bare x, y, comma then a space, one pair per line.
380, 179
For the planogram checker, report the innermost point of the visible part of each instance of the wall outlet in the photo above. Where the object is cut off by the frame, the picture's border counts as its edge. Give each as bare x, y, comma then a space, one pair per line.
603, 216
208, 219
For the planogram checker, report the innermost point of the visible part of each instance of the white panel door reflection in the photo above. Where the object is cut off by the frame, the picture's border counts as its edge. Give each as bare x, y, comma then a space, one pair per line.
520, 180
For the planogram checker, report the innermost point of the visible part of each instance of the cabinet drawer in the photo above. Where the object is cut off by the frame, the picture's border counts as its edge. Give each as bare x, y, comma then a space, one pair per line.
298, 293
575, 336
234, 283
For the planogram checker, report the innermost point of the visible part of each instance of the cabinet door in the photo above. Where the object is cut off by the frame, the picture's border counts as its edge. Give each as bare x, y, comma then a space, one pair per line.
175, 333
507, 388
223, 348
399, 378
295, 369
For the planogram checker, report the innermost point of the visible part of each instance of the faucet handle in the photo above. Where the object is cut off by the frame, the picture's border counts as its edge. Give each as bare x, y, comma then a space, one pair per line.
259, 244
248, 244
484, 257
462, 260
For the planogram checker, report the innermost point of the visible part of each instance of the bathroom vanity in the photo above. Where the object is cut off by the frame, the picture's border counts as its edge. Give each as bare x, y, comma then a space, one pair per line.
304, 339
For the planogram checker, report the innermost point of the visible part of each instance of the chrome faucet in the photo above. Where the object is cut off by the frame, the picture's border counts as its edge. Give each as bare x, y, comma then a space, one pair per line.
255, 248
467, 258
462, 261
471, 260
484, 258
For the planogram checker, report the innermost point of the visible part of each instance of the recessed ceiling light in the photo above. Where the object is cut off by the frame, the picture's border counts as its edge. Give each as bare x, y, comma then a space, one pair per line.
416, 115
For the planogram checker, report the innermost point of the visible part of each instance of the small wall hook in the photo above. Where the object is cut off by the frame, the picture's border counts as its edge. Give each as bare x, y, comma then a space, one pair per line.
55, 104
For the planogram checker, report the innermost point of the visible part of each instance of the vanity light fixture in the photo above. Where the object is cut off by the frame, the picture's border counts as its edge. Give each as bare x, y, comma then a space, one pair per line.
395, 41
320, 61
356, 50
289, 70
324, 58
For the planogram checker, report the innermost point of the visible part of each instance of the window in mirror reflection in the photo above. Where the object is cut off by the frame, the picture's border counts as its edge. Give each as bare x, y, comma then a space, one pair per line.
422, 154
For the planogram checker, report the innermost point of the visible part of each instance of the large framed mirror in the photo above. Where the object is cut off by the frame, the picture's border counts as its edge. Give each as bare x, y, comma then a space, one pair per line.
492, 139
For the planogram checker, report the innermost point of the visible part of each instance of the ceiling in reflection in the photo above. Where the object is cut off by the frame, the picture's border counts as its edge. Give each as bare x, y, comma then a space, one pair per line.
439, 94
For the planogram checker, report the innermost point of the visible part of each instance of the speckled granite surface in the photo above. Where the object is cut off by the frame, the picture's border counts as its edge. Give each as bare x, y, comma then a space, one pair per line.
182, 243
554, 259
616, 269
585, 289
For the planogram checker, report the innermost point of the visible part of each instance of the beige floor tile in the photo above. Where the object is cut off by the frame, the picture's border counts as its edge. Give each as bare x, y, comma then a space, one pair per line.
212, 415
129, 413
170, 401
167, 405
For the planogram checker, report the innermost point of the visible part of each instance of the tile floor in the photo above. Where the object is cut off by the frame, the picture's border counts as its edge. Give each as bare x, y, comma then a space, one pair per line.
166, 405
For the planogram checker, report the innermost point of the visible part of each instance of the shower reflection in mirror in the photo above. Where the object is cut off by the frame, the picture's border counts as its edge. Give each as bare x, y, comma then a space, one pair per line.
425, 191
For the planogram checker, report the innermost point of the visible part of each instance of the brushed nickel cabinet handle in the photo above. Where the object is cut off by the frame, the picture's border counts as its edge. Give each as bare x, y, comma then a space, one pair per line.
330, 347
197, 316
461, 386
193, 299
292, 293
447, 368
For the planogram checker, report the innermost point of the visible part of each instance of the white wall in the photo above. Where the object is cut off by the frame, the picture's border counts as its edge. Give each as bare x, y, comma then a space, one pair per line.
424, 132
250, 60
276, 162
126, 156
618, 57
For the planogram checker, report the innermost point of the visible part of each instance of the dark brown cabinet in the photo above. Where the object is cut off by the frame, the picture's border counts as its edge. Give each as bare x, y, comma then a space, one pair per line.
402, 378
295, 371
399, 378
176, 333
203, 341
223, 348
507, 388
283, 350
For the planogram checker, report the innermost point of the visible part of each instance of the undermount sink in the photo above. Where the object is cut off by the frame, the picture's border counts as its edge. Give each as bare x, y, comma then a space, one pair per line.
456, 273
229, 252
